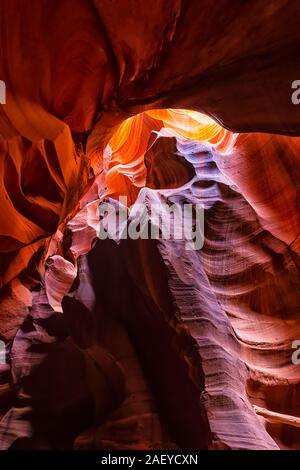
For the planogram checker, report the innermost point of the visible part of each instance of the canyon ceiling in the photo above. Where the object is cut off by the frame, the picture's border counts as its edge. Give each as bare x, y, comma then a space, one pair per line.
145, 344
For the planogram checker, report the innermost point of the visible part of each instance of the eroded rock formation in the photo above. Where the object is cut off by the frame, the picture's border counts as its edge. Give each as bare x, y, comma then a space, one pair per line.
148, 343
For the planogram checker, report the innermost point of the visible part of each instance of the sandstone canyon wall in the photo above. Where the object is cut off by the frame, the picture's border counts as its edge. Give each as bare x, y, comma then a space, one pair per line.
146, 343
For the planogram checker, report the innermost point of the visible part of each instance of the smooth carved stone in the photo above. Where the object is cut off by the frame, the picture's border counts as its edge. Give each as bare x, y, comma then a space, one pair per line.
60, 388
68, 88
223, 306
154, 346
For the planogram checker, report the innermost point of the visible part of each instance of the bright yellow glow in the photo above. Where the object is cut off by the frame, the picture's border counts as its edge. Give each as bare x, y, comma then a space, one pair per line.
188, 124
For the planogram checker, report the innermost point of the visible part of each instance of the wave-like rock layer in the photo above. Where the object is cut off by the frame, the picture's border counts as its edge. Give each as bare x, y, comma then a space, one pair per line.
122, 343
196, 344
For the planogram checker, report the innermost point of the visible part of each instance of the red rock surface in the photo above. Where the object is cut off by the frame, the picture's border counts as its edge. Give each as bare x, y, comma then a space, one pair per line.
164, 347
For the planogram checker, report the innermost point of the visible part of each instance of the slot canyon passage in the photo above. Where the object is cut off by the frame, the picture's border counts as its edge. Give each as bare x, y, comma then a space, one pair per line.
124, 343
